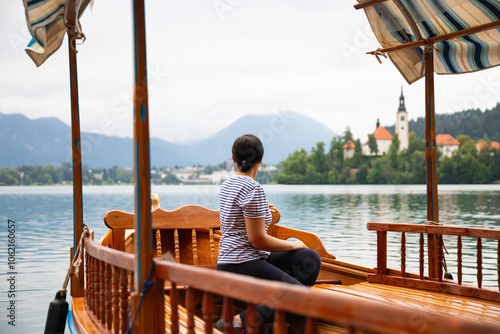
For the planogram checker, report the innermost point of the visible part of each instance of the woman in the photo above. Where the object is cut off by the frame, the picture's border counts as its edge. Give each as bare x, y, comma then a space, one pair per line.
245, 247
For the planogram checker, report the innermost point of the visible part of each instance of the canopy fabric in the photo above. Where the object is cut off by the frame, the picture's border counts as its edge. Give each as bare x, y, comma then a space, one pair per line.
395, 22
47, 21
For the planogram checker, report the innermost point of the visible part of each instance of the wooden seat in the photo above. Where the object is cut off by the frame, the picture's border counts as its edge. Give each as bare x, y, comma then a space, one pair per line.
186, 235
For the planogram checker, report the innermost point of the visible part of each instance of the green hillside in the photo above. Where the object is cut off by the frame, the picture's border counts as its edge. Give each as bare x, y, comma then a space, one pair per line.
473, 123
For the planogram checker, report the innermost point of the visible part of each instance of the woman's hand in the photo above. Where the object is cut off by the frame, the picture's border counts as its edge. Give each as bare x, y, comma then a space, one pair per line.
298, 244
272, 208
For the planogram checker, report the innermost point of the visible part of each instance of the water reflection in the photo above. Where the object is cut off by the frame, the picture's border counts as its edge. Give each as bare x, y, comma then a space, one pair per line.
339, 214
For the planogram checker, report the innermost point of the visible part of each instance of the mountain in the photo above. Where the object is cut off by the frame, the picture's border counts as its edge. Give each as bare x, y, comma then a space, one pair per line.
46, 141
281, 134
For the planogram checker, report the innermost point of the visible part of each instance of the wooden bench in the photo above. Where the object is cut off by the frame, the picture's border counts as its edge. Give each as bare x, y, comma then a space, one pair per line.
189, 234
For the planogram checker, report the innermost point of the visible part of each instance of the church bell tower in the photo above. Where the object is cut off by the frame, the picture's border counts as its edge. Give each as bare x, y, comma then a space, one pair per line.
402, 125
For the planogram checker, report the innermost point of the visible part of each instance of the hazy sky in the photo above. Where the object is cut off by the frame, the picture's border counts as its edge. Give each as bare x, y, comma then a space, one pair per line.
212, 61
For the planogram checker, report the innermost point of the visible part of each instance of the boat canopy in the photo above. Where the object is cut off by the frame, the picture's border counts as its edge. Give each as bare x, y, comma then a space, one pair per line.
48, 21
464, 34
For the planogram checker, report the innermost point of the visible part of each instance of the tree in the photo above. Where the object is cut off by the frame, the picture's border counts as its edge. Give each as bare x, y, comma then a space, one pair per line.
393, 150
418, 168
357, 159
347, 137
372, 144
318, 158
294, 168
362, 174
335, 156
467, 145
9, 176
471, 171
381, 172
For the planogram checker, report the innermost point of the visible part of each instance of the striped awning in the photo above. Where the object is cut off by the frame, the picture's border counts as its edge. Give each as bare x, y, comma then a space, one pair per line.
464, 34
48, 21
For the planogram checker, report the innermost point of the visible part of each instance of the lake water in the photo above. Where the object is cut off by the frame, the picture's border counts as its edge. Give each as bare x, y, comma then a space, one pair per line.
43, 218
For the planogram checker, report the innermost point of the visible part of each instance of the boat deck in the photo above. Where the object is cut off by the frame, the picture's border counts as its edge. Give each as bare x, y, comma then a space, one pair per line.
462, 307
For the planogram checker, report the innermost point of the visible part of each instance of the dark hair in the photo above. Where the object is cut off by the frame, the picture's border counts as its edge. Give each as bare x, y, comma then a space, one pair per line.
247, 151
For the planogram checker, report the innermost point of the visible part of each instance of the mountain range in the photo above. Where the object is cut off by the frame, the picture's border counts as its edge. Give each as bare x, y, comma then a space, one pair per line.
45, 141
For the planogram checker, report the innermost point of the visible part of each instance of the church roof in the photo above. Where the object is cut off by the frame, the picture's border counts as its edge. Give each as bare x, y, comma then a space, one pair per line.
349, 144
381, 133
446, 139
494, 145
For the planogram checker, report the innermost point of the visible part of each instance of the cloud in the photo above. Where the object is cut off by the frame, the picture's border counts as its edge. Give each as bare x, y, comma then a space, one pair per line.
211, 62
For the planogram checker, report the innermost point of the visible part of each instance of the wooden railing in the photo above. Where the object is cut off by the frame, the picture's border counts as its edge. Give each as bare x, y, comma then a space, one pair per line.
108, 282
439, 284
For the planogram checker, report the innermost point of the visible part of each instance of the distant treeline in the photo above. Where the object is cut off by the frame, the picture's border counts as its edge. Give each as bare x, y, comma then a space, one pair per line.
465, 166
50, 175
473, 123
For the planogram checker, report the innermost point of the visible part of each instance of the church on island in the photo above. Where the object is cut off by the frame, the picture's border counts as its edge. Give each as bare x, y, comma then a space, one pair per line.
383, 137
445, 142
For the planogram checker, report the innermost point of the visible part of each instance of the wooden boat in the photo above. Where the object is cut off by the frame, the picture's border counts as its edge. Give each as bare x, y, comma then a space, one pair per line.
160, 277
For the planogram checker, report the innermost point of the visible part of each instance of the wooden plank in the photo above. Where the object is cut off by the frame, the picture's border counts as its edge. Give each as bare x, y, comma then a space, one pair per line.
83, 323
431, 161
436, 229
337, 307
199, 324
76, 282
459, 306
109, 255
381, 252
348, 264
368, 3
311, 240
444, 287
441, 38
185, 217
119, 219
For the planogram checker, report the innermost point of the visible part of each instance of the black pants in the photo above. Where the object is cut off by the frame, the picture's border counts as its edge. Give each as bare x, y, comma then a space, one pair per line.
299, 267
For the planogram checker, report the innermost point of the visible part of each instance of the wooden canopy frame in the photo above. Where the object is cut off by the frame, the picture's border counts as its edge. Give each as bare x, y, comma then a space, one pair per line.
430, 120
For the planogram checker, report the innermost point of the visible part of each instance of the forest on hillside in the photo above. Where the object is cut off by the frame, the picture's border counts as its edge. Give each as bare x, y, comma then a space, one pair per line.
473, 123
465, 166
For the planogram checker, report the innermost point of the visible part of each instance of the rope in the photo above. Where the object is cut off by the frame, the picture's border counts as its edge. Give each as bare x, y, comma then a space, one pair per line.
432, 222
74, 37
145, 287
446, 273
77, 260
378, 53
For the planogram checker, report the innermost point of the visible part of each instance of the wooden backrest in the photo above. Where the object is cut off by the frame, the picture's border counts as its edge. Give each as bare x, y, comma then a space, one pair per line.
186, 235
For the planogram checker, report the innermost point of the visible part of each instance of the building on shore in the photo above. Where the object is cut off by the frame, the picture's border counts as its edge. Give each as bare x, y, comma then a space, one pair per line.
447, 144
383, 137
481, 145
349, 148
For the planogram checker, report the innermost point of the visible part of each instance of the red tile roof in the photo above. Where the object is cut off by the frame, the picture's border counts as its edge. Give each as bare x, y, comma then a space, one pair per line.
494, 145
349, 144
382, 133
446, 139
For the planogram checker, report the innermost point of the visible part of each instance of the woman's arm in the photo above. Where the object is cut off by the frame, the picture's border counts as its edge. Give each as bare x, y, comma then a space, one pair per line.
256, 231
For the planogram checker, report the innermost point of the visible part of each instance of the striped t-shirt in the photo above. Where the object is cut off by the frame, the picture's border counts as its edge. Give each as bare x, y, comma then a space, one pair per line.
240, 196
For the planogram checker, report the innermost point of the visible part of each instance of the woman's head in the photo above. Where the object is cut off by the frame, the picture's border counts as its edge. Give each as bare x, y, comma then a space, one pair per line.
247, 151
